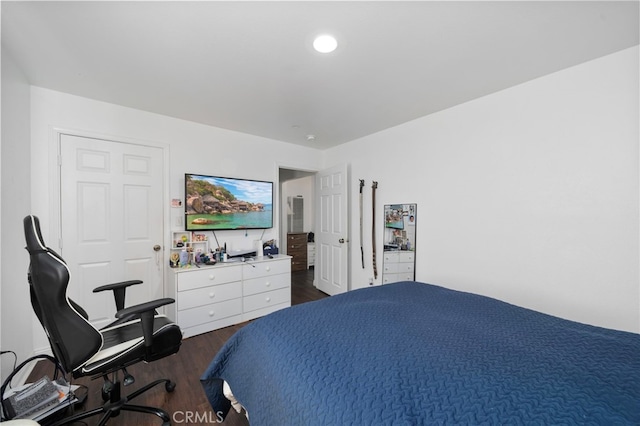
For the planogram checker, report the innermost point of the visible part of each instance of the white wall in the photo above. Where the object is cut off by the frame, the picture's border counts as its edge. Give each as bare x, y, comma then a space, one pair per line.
15, 307
529, 195
192, 148
305, 187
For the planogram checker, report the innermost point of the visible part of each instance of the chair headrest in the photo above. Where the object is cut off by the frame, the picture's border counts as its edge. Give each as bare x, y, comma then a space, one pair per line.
33, 235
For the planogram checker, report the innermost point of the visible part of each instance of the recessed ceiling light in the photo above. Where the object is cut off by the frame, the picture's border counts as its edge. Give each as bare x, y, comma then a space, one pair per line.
325, 43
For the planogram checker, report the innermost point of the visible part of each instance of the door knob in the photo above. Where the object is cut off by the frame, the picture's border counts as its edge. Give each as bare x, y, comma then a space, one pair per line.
342, 241
157, 249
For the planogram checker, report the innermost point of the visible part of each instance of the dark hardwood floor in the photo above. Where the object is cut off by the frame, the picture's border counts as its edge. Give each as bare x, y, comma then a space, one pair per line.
188, 401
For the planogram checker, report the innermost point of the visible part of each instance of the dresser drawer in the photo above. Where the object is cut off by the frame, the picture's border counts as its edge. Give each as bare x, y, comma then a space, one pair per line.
215, 311
262, 284
405, 267
390, 268
392, 278
263, 300
248, 316
208, 277
265, 269
406, 276
296, 244
297, 239
391, 256
406, 256
212, 325
208, 295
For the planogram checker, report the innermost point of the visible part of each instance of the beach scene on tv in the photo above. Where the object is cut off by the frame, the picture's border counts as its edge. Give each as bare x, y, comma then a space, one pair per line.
214, 203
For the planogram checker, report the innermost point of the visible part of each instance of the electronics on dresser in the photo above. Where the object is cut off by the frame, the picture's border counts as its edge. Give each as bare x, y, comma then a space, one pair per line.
222, 203
241, 253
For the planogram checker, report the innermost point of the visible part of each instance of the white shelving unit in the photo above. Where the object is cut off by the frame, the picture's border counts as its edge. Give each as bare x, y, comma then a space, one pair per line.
311, 254
192, 241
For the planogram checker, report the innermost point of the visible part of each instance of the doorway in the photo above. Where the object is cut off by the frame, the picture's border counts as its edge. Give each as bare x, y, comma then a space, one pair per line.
297, 222
325, 197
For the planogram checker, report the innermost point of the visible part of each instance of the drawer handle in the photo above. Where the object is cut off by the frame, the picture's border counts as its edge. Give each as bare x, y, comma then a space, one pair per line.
268, 299
212, 277
212, 295
268, 284
268, 268
211, 313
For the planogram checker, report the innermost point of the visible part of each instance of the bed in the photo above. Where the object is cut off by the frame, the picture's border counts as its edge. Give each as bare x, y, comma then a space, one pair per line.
417, 354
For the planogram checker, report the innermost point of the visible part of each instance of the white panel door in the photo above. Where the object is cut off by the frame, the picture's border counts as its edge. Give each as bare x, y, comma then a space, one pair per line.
332, 248
111, 221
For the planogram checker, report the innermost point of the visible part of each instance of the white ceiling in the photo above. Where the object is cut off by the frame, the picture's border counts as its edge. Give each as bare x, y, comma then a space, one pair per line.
249, 66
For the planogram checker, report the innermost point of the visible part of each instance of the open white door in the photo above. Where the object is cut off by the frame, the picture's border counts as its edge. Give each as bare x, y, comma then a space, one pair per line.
332, 230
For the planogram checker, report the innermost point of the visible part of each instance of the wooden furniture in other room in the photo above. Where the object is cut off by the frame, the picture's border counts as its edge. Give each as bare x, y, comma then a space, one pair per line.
297, 249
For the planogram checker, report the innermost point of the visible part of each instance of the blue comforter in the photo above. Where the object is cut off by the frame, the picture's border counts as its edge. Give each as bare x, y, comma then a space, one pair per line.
417, 354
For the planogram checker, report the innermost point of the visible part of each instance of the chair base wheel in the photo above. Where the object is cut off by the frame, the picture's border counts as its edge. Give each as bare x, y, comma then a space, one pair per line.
115, 403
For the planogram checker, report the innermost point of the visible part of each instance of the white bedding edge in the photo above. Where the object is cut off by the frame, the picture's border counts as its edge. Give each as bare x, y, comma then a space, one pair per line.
226, 390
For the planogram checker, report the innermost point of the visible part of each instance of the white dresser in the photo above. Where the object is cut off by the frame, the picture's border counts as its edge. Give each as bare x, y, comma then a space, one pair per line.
398, 266
212, 297
266, 288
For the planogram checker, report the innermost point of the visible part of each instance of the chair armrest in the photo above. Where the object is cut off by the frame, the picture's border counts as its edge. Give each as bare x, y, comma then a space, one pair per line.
113, 286
119, 290
144, 307
146, 311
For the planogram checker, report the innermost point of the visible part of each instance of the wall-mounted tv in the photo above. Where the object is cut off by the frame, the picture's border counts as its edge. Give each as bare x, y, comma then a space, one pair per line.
222, 203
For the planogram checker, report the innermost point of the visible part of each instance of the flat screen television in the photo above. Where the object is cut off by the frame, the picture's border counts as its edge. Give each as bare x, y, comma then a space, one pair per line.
221, 203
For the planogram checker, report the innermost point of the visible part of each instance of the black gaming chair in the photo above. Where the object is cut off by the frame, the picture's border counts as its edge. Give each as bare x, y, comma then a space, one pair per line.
138, 334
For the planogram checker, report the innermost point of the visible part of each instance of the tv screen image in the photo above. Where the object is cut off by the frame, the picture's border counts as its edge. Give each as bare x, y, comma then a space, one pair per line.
222, 203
